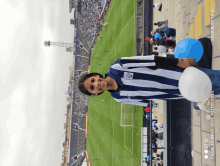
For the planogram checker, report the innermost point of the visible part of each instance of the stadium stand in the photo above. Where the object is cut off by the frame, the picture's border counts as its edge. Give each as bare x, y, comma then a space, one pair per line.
88, 21
87, 28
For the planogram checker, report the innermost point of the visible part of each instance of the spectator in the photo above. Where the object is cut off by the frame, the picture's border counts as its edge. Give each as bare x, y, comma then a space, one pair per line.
161, 41
147, 109
152, 33
160, 163
170, 32
159, 142
161, 32
155, 128
157, 36
154, 145
170, 44
158, 125
154, 135
163, 27
147, 159
160, 136
155, 53
160, 155
151, 40
158, 6
153, 123
160, 23
105, 24
161, 49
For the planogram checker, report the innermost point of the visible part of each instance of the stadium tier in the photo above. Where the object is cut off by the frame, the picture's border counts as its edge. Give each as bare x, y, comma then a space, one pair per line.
87, 19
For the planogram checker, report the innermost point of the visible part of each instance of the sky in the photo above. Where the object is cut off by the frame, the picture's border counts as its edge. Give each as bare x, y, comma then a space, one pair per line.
33, 81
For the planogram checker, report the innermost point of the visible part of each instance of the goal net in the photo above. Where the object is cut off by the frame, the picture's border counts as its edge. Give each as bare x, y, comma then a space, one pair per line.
126, 115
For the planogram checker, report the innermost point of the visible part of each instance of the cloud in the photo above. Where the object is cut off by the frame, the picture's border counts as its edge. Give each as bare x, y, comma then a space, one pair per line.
15, 122
10, 23
33, 81
25, 135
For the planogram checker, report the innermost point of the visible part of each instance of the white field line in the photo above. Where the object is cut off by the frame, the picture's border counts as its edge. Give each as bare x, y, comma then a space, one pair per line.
129, 150
121, 103
115, 58
111, 109
121, 114
115, 49
132, 129
125, 27
121, 33
124, 136
124, 114
113, 138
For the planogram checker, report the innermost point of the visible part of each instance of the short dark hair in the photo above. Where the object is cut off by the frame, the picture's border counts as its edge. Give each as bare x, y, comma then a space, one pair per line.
170, 43
153, 6
81, 83
155, 23
155, 53
155, 48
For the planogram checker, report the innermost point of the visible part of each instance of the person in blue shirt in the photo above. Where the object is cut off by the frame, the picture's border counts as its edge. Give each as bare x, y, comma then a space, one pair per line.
147, 159
160, 31
157, 36
170, 32
153, 124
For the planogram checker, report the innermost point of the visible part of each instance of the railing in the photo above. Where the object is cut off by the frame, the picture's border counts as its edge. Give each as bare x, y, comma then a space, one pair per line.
146, 145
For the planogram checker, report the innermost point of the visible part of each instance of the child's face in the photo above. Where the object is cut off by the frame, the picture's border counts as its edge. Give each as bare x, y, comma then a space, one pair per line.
95, 85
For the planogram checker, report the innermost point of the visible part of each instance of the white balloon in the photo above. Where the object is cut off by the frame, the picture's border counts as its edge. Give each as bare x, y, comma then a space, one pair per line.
195, 85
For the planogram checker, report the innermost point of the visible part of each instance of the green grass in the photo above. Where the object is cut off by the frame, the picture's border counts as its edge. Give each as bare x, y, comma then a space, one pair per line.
108, 143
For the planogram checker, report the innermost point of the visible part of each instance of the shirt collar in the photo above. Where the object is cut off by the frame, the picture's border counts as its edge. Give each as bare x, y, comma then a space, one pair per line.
117, 79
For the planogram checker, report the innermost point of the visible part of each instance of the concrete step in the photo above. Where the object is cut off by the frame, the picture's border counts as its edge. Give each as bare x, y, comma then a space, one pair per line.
188, 17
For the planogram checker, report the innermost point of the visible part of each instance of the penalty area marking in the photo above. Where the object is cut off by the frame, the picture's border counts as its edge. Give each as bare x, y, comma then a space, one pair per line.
113, 137
121, 33
121, 103
132, 132
125, 27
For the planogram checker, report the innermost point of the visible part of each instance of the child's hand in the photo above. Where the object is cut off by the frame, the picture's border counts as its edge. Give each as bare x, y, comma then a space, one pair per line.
186, 62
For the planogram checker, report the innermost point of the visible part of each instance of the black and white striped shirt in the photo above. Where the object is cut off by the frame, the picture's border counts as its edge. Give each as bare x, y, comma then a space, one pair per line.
144, 78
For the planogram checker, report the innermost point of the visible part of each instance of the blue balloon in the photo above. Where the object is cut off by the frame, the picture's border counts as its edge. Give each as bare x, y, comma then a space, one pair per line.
156, 36
189, 48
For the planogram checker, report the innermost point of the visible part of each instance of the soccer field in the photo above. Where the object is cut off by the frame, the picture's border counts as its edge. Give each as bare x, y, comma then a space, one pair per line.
109, 143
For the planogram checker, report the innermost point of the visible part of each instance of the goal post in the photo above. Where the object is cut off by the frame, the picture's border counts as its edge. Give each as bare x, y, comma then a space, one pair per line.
126, 115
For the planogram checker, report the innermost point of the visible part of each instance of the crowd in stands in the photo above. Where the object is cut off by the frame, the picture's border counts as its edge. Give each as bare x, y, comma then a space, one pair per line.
79, 106
78, 140
163, 38
81, 46
89, 23
157, 138
90, 19
157, 161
